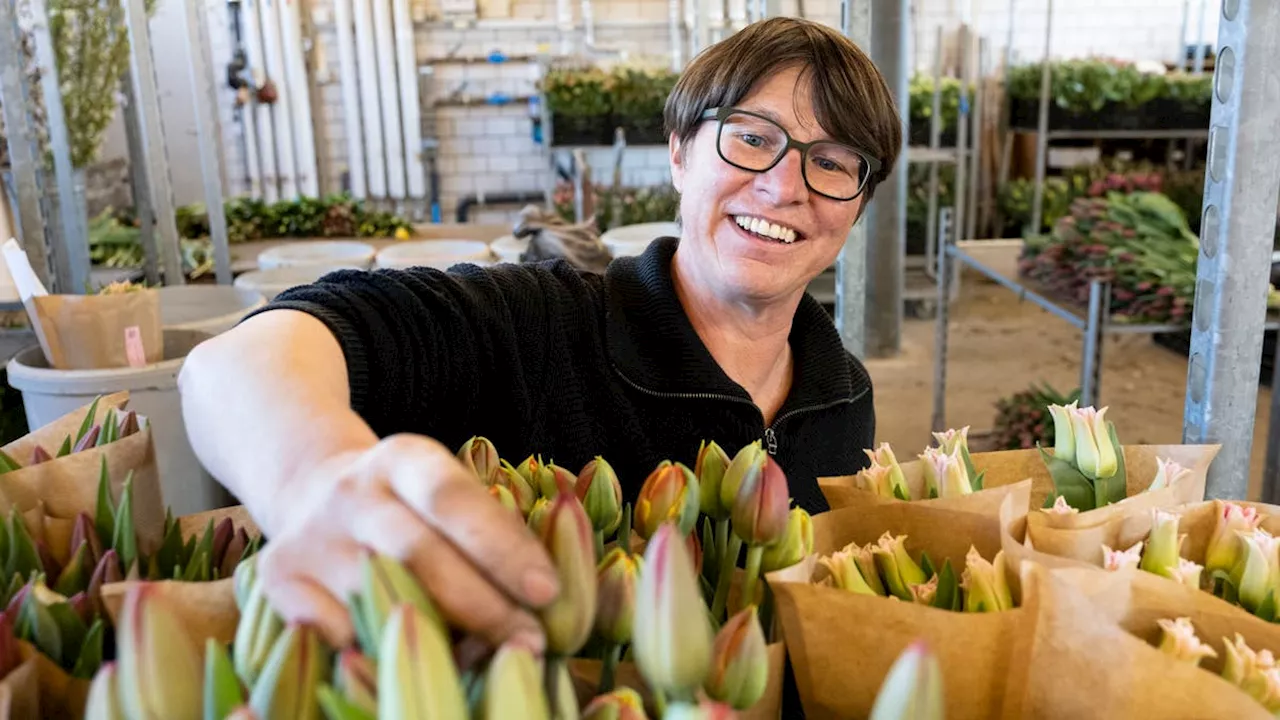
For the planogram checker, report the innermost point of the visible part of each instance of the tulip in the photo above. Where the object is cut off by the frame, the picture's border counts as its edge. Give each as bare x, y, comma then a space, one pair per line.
1188, 573
75, 576
386, 583
621, 704
895, 564
749, 460
40, 455
926, 592
986, 587
1254, 672
739, 662
570, 542
1223, 551
886, 474
710, 469
514, 687
555, 478
845, 572
525, 495
1098, 457
669, 493
84, 533
945, 474
671, 637
416, 674
1122, 559
1241, 660
953, 440
600, 493
562, 698
796, 543
356, 677
538, 515
480, 457
286, 688
160, 672
1168, 474
532, 471
256, 633
222, 690
879, 480
1163, 544
1179, 641
505, 499
1254, 575
107, 571
103, 702
1060, 507
912, 690
865, 559
705, 710
1064, 445
618, 577
761, 507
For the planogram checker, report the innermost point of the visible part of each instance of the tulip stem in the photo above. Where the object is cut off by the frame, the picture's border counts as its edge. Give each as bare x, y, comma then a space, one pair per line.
722, 546
728, 561
611, 657
755, 555
660, 702
624, 530
599, 545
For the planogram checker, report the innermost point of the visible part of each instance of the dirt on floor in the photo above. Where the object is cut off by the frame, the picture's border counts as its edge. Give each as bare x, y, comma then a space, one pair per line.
999, 345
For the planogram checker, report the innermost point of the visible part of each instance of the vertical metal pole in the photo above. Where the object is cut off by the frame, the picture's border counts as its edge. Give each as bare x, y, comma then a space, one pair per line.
1199, 66
1271, 470
851, 265
887, 215
1232, 271
1042, 133
962, 134
1180, 59
72, 259
207, 138
975, 164
935, 142
1091, 359
142, 206
941, 327
24, 159
143, 76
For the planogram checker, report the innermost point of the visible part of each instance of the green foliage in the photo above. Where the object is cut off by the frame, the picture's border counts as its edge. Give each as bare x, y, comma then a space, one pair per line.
628, 206
921, 100
1023, 419
1087, 85
578, 92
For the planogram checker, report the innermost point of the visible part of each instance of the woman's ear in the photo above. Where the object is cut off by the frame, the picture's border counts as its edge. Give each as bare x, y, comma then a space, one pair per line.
676, 151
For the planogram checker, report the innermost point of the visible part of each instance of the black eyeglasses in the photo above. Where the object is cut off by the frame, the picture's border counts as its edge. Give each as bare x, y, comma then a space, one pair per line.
750, 141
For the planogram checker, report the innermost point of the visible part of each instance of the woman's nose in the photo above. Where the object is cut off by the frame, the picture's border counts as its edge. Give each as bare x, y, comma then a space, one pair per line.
784, 183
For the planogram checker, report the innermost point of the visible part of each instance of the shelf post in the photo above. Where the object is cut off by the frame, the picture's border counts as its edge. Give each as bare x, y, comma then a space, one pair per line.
1042, 128
941, 326
1095, 330
1242, 182
851, 265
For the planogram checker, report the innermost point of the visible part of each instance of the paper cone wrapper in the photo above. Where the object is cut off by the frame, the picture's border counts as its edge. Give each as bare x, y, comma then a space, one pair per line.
1079, 663
66, 486
844, 491
94, 332
38, 689
208, 608
843, 644
586, 679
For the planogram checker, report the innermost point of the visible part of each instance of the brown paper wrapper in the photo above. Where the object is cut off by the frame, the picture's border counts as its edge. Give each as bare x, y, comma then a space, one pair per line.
66, 486
40, 690
844, 492
208, 608
586, 679
87, 332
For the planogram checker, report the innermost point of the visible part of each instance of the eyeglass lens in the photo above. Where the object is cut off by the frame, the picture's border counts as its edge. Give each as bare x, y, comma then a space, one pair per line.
754, 143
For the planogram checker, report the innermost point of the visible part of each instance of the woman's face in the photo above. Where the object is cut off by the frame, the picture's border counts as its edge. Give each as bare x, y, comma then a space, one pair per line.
718, 198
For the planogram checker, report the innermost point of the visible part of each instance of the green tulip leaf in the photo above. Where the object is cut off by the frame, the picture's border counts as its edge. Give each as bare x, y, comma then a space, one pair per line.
37, 626
71, 631
65, 449
366, 636
104, 515
7, 463
88, 420
900, 493
125, 540
1267, 610
91, 649
976, 482
927, 566
1069, 482
22, 557
222, 690
948, 594
1118, 483
335, 706
110, 429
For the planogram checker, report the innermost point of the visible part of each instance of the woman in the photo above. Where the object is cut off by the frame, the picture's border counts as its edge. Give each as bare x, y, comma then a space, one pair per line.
334, 415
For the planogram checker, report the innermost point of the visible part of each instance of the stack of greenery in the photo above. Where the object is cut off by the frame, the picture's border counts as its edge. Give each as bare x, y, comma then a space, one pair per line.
921, 109
586, 104
1023, 419
1099, 93
627, 206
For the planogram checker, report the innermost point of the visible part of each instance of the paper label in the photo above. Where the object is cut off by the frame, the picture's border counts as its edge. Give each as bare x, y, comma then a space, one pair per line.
133, 346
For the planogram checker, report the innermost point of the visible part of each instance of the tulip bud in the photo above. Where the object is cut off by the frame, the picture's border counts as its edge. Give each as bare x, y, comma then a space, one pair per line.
879, 480
760, 510
695, 551
739, 662
1188, 573
618, 577
416, 674
294, 669
514, 687
505, 499
953, 442
1253, 575
749, 460
1179, 641
710, 468
621, 704
1096, 455
10, 657
555, 478
1223, 551
886, 473
986, 589
1115, 560
84, 533
1254, 672
1168, 474
1060, 507
524, 493
1064, 445
945, 474
705, 710
895, 564
570, 542
244, 712
1163, 544
160, 666
480, 457
600, 493
864, 557
386, 583
235, 550
356, 677
669, 493
76, 575
845, 572
671, 636
925, 592
256, 633
103, 702
913, 688
796, 543
532, 470
538, 515
40, 455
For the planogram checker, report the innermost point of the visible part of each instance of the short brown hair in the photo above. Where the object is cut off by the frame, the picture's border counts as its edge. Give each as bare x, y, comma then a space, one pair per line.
852, 101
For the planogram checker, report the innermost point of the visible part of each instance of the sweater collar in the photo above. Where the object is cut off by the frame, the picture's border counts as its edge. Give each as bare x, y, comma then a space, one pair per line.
653, 344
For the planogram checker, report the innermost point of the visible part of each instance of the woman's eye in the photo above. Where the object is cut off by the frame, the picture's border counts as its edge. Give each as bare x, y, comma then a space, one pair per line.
828, 165
752, 140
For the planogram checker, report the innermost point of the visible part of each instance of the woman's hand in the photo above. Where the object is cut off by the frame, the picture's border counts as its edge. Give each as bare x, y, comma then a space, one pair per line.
407, 497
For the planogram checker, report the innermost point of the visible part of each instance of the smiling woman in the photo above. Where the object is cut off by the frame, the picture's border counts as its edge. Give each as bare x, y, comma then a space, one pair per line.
333, 413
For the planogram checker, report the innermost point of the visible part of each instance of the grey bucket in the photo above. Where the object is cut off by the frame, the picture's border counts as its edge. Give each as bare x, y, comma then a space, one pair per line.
212, 309
48, 394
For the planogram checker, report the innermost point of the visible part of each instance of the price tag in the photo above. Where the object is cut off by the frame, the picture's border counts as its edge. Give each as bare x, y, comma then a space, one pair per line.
133, 349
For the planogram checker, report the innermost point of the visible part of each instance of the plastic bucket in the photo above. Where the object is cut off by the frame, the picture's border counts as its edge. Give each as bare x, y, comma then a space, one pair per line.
270, 283
318, 252
441, 254
213, 309
633, 239
509, 248
48, 394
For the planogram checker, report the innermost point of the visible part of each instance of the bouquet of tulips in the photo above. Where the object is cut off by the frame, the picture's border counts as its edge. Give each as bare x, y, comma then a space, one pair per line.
1253, 671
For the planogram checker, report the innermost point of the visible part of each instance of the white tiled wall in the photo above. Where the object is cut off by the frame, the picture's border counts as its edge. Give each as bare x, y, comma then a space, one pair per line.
489, 149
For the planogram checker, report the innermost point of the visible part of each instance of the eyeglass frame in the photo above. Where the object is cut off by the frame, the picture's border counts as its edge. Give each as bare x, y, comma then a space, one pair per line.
720, 113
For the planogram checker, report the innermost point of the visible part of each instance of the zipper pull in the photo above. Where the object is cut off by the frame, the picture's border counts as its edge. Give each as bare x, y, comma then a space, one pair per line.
770, 441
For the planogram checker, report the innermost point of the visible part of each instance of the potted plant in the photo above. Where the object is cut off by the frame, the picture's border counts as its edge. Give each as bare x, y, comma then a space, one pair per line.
580, 102
639, 95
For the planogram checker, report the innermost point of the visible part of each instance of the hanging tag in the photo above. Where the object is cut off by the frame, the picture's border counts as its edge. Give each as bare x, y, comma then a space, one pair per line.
133, 349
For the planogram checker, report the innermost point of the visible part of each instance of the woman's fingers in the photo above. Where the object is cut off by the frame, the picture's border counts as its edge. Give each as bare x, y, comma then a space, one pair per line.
298, 593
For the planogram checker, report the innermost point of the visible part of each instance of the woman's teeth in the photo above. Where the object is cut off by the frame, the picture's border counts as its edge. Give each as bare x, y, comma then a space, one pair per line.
766, 228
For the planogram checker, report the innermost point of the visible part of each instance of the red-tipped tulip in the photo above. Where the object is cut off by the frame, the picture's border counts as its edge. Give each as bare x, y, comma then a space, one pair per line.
103, 702
739, 662
749, 460
286, 688
796, 544
619, 576
671, 635
600, 493
525, 494
161, 666
83, 531
761, 507
569, 540
621, 704
669, 493
913, 688
514, 687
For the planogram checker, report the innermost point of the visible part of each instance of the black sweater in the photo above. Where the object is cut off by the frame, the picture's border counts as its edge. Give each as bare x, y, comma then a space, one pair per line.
547, 359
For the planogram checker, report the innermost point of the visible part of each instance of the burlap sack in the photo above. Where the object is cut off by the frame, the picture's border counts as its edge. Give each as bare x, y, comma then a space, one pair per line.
68, 485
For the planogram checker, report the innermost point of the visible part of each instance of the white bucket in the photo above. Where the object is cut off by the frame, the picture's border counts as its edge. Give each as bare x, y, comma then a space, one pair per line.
270, 283
634, 239
509, 248
317, 252
213, 309
441, 254
48, 394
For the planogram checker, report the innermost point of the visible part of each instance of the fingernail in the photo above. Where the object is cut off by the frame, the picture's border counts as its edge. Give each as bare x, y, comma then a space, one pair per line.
541, 586
531, 640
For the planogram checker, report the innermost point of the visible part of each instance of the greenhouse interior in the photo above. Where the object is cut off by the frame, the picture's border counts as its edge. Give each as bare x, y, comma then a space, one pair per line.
560, 359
